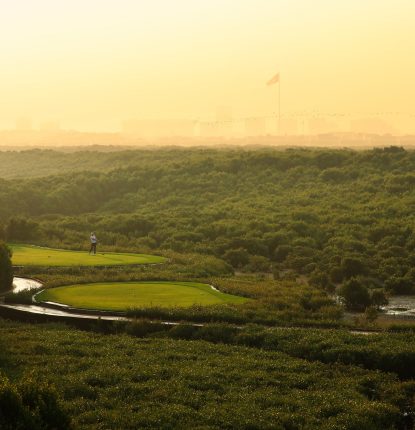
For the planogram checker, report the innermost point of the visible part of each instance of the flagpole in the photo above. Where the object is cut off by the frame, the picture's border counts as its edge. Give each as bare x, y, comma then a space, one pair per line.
279, 105
276, 80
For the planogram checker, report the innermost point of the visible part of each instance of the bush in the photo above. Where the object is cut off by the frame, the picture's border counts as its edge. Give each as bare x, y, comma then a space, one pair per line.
371, 314
321, 280
216, 333
183, 331
30, 405
378, 298
257, 263
21, 229
24, 296
6, 269
353, 267
237, 257
400, 285
281, 253
356, 295
143, 327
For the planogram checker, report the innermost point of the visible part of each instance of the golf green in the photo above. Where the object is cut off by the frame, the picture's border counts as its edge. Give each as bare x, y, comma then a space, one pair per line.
29, 255
127, 295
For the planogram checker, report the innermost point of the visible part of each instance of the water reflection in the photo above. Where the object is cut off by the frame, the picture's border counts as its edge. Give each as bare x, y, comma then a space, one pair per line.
20, 284
400, 305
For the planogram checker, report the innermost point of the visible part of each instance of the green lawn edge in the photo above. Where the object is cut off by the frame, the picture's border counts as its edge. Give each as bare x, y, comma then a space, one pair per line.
93, 303
103, 259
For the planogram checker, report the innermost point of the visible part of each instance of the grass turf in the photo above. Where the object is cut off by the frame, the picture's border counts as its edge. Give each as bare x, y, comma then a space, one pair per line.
29, 255
125, 295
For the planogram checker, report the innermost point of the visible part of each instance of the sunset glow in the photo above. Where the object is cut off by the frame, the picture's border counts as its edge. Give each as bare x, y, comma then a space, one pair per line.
92, 64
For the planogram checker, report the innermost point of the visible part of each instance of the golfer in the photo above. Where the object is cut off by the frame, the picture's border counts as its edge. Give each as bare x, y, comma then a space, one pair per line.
94, 241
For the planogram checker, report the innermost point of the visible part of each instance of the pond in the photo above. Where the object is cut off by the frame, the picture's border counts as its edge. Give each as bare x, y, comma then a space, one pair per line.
20, 284
400, 306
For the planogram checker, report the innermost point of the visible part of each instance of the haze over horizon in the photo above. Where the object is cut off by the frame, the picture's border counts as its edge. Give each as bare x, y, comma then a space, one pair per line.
92, 65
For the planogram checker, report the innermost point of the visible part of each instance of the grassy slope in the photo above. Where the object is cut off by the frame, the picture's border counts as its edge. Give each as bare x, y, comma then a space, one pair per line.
26, 255
126, 383
121, 296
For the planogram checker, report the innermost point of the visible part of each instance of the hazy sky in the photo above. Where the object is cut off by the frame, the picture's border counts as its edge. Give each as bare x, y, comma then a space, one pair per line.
93, 63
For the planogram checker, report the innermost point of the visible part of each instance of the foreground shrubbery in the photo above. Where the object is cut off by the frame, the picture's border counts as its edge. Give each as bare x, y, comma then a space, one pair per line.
21, 297
121, 382
242, 314
30, 404
388, 352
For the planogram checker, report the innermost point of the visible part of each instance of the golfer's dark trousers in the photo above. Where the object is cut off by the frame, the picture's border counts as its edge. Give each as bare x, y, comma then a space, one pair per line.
93, 248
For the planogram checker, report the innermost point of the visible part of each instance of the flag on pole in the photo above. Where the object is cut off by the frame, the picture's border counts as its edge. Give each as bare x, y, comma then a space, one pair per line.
274, 80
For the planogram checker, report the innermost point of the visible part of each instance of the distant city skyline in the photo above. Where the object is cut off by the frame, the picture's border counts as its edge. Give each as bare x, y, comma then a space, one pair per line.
91, 65
224, 124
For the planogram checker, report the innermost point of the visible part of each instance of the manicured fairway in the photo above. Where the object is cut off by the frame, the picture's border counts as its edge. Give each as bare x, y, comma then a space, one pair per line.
27, 255
125, 295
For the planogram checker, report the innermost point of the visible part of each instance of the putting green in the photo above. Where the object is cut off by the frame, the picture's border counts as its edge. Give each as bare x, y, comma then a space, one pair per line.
126, 295
28, 255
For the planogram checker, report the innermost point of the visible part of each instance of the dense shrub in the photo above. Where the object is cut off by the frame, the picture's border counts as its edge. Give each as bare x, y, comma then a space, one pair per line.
30, 404
274, 303
6, 270
117, 381
382, 351
356, 295
20, 228
302, 208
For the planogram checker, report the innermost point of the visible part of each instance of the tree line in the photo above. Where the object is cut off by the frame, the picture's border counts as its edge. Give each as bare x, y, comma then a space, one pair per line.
335, 217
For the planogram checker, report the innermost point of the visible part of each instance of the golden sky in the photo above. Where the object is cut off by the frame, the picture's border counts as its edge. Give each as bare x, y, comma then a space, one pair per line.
93, 63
